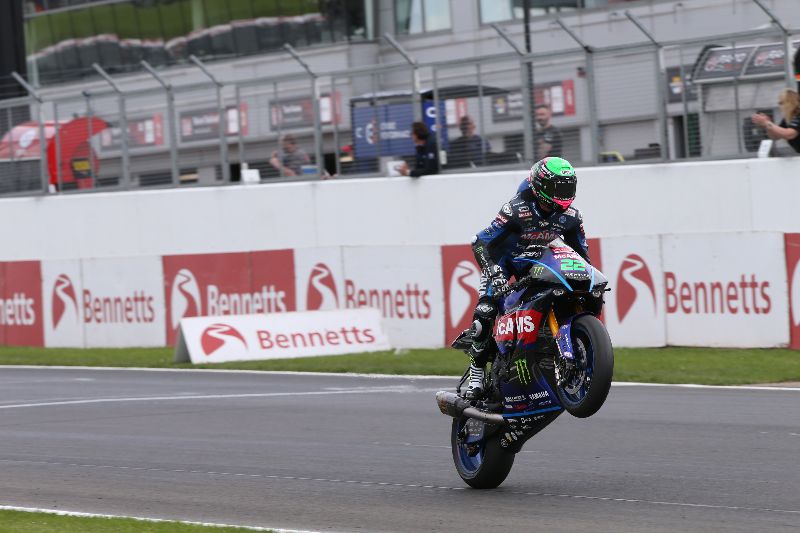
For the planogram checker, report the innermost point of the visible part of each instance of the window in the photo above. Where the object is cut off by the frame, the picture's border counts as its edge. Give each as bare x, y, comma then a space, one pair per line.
418, 16
502, 10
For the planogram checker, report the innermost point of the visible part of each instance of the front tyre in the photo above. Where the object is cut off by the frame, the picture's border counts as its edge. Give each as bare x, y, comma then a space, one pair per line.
482, 464
587, 385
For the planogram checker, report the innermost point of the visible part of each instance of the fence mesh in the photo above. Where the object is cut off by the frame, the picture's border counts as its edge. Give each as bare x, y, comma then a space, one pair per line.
606, 106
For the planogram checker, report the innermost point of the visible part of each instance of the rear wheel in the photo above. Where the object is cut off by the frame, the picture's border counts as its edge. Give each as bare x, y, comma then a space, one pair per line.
482, 464
587, 385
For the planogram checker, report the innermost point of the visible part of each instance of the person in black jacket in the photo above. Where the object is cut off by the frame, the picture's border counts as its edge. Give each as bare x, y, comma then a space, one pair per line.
789, 127
427, 157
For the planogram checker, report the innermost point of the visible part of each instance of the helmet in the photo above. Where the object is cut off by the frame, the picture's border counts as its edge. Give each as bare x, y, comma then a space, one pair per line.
553, 183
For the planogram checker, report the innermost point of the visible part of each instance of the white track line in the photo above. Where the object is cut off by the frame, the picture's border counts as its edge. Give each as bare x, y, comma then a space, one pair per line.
371, 376
389, 485
144, 519
374, 390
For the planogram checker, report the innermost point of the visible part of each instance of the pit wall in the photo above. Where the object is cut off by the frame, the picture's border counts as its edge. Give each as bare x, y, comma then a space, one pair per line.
122, 269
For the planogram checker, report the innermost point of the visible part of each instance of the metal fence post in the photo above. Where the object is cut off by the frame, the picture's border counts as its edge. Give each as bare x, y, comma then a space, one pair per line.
334, 104
788, 48
58, 147
415, 85
240, 136
315, 106
123, 126
594, 125
437, 122
173, 130
43, 166
660, 84
481, 118
526, 80
222, 123
90, 116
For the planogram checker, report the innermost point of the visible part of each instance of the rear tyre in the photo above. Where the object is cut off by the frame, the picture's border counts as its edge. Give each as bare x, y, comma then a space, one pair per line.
482, 465
587, 387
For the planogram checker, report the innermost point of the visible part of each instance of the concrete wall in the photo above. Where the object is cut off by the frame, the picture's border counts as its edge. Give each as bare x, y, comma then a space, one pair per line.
724, 196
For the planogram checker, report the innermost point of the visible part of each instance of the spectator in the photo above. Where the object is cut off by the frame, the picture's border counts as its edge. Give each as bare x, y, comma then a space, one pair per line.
789, 128
427, 159
291, 161
546, 139
469, 148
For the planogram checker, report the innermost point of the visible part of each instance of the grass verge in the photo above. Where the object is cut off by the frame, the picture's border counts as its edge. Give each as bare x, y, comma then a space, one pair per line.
30, 522
706, 366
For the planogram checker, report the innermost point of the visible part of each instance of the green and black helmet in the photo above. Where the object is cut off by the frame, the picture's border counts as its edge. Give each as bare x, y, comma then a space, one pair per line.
553, 182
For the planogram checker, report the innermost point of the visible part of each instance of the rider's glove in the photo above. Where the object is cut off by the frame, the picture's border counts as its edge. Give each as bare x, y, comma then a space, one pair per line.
498, 281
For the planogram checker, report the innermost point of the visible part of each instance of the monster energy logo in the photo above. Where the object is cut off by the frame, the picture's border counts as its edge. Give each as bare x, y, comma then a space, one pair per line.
523, 373
537, 270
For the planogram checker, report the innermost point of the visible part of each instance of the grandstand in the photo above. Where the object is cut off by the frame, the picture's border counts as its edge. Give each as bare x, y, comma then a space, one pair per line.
139, 93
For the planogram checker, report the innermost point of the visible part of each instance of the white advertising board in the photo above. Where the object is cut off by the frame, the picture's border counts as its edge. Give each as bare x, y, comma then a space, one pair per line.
726, 289
405, 282
62, 295
122, 302
319, 278
280, 335
634, 309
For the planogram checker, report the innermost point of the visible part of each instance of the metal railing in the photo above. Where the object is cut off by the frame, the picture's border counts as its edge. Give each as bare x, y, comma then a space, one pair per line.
605, 105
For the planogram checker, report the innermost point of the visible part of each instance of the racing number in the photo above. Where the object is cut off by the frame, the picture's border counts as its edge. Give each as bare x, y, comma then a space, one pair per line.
573, 265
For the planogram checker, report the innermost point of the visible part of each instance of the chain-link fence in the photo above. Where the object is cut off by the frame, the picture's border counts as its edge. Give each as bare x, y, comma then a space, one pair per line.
646, 102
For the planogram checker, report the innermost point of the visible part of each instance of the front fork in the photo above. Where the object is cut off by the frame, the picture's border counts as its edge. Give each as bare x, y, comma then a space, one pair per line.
565, 364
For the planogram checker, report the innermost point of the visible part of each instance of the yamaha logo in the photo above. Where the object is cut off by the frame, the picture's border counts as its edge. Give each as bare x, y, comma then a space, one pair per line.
463, 284
64, 299
222, 339
321, 293
185, 297
634, 281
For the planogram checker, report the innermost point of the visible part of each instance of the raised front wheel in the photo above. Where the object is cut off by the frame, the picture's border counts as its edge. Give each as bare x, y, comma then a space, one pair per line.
586, 386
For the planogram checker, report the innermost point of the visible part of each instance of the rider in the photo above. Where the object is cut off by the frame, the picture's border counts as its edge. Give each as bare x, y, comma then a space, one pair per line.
539, 213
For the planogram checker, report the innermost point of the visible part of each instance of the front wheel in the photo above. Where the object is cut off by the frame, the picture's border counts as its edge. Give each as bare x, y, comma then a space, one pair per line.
482, 464
587, 385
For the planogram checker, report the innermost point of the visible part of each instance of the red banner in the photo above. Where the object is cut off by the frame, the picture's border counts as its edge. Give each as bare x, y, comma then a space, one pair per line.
21, 304
792, 241
227, 284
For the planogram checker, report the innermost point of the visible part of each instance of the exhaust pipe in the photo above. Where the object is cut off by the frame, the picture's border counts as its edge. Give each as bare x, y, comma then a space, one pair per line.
453, 405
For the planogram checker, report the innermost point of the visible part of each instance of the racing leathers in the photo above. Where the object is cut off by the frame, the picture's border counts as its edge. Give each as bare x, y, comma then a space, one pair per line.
519, 234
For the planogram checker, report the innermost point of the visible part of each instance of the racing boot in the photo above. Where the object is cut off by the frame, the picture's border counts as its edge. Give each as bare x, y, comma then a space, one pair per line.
475, 386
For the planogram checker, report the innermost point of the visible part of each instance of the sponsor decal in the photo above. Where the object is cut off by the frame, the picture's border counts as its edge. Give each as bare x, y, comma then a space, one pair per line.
501, 219
185, 297
507, 209
135, 307
344, 336
64, 299
633, 281
747, 295
521, 324
409, 303
462, 294
523, 374
17, 310
216, 336
321, 292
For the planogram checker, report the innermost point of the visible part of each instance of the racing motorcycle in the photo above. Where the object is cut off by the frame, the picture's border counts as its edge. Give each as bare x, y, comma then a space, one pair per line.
554, 355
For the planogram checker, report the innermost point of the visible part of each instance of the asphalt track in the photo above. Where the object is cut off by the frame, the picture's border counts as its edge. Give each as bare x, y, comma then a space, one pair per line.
372, 454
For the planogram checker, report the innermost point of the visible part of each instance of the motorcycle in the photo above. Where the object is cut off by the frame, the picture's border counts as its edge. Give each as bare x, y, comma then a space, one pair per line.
553, 355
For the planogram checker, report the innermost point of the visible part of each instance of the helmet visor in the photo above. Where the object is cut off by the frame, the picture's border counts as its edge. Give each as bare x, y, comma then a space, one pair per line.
560, 190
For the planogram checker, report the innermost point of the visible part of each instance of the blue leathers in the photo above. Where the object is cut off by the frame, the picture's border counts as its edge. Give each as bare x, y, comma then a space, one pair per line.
521, 230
